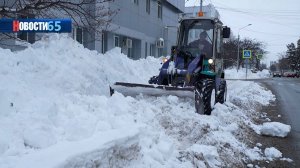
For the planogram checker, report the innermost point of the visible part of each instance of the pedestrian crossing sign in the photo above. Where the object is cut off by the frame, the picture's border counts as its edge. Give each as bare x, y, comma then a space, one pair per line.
247, 54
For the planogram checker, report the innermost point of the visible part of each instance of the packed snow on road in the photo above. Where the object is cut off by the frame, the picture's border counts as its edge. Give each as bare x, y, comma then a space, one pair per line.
56, 111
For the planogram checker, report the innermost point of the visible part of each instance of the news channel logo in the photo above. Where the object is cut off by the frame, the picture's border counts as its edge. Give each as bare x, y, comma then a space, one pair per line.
36, 25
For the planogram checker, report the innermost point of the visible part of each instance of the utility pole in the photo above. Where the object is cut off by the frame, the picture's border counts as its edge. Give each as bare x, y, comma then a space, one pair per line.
238, 54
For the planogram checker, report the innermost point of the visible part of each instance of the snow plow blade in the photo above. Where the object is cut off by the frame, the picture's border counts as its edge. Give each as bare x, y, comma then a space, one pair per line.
132, 89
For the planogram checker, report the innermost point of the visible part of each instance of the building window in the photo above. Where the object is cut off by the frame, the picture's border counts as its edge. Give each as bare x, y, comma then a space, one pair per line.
26, 36
117, 43
152, 50
146, 49
136, 2
148, 6
129, 54
159, 9
79, 36
104, 42
23, 36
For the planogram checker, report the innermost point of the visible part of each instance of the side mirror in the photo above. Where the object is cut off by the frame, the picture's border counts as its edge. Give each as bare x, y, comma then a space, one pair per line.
173, 51
226, 32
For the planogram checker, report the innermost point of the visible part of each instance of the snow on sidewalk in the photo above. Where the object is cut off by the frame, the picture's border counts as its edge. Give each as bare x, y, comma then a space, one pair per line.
54, 101
232, 73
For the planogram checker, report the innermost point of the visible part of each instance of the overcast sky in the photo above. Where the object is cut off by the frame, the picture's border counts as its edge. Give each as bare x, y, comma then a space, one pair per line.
275, 22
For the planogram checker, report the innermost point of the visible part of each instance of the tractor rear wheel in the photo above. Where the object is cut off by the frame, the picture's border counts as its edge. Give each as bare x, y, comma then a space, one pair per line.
205, 96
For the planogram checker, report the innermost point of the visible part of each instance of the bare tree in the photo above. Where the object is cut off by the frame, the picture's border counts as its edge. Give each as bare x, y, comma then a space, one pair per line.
298, 56
273, 68
263, 66
291, 55
230, 51
283, 62
290, 60
93, 15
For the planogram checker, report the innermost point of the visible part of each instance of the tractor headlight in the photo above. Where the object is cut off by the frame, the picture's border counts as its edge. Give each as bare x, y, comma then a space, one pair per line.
164, 59
210, 61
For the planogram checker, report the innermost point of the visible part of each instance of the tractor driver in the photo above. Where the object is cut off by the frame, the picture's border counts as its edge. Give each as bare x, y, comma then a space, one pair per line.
202, 43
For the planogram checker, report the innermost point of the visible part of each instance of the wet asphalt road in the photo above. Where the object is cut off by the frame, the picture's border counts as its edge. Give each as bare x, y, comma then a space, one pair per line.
287, 91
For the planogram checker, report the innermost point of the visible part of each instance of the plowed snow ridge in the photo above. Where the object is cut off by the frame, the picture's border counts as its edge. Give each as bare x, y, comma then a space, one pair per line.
55, 111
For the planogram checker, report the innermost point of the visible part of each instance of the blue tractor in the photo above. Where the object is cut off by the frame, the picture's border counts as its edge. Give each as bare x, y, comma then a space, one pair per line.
194, 69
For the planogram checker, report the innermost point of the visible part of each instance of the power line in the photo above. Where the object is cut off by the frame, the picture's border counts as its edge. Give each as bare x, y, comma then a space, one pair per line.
260, 15
269, 16
273, 34
262, 11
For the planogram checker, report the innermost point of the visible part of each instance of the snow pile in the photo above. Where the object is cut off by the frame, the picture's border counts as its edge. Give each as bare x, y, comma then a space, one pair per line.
53, 93
268, 154
254, 154
249, 94
272, 153
209, 153
56, 112
273, 129
241, 74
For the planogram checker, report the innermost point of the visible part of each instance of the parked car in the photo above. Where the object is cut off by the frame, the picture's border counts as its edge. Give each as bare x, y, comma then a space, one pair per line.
290, 74
277, 74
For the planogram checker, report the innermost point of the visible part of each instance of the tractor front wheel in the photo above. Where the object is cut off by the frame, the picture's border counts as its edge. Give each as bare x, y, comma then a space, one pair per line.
205, 96
222, 93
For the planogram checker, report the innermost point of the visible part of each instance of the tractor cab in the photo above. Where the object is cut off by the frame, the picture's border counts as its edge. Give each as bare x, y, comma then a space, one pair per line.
196, 37
201, 37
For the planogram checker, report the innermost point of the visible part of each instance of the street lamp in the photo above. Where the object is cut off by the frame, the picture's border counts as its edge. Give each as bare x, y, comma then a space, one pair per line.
238, 53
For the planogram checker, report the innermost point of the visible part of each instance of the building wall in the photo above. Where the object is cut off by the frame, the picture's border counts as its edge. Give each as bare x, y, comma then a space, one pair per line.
144, 28
133, 22
179, 4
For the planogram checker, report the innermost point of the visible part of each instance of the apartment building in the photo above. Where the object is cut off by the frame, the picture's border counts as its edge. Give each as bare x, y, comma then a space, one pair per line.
141, 28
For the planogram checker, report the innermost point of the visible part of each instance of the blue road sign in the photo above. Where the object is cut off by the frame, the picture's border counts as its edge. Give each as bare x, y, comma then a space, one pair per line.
247, 54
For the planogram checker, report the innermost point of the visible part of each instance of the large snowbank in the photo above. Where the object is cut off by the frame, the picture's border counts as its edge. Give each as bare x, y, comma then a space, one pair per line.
56, 112
241, 74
